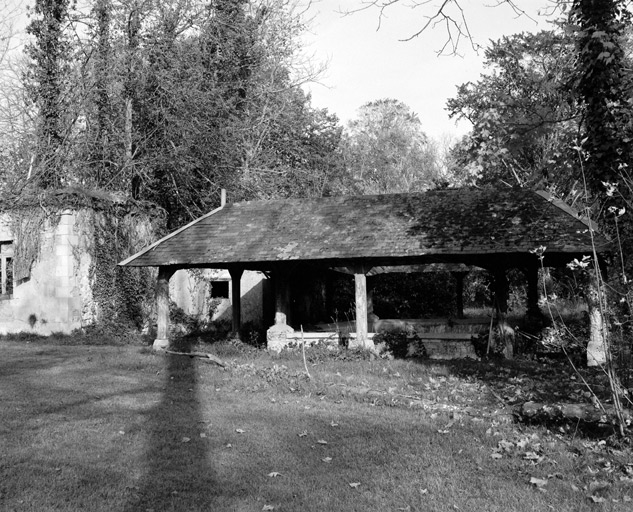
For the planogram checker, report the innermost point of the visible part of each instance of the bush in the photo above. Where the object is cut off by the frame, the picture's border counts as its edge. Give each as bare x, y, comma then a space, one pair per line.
397, 343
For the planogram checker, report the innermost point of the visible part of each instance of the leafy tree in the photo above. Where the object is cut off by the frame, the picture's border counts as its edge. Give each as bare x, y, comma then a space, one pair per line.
604, 83
385, 150
172, 101
524, 112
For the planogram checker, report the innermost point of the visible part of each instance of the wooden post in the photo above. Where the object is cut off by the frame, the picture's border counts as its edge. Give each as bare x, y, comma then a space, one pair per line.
162, 307
531, 274
502, 290
506, 333
282, 293
361, 311
459, 293
360, 281
236, 298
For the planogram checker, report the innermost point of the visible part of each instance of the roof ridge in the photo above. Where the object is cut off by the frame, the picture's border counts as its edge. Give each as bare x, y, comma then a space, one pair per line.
559, 203
167, 237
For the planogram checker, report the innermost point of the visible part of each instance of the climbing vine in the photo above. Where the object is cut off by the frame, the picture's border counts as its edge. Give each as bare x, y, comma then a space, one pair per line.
27, 226
108, 229
121, 296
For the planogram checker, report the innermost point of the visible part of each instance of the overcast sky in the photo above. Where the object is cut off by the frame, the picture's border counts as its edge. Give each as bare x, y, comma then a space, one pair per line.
368, 63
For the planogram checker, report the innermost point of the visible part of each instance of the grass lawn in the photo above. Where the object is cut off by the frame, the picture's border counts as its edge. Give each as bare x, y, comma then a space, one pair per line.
120, 428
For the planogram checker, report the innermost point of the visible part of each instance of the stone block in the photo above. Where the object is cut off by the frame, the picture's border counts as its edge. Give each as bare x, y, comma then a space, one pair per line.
277, 336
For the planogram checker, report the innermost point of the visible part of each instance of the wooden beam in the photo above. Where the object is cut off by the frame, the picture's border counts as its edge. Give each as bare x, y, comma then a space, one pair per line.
236, 298
162, 307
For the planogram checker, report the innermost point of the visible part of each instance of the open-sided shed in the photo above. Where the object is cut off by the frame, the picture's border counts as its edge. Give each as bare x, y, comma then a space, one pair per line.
496, 229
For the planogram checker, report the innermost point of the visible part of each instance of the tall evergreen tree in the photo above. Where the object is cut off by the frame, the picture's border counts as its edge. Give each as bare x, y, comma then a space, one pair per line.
49, 53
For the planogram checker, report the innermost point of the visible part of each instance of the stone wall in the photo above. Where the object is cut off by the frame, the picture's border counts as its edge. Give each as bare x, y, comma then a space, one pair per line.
191, 291
58, 296
50, 300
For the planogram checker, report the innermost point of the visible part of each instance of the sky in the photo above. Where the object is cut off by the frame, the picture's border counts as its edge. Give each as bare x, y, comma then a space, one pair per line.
367, 62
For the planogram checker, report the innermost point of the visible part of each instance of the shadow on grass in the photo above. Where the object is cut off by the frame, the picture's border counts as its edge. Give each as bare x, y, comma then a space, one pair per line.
177, 472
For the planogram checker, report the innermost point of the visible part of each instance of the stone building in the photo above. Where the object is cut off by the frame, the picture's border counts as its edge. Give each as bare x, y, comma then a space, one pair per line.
56, 290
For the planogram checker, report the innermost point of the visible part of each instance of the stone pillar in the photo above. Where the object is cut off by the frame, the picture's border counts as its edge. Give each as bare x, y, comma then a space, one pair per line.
531, 274
277, 335
162, 307
236, 297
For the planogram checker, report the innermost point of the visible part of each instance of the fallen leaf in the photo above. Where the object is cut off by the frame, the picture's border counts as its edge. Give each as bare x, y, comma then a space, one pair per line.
538, 482
506, 445
574, 488
186, 439
321, 441
240, 431
354, 485
274, 474
597, 486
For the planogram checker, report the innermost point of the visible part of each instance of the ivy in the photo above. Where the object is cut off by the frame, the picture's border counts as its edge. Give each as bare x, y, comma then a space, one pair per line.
110, 229
603, 84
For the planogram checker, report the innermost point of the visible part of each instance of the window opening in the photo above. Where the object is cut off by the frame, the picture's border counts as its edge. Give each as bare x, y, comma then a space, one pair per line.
6, 268
220, 289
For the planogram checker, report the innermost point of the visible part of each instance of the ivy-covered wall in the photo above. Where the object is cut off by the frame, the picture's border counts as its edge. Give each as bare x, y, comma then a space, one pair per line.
65, 269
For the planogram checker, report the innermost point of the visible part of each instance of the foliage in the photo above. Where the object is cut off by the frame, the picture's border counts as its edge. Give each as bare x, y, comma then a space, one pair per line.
386, 151
171, 101
396, 343
417, 295
524, 113
604, 84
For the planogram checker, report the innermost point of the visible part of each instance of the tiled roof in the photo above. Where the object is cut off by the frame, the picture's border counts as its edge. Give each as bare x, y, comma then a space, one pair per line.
454, 225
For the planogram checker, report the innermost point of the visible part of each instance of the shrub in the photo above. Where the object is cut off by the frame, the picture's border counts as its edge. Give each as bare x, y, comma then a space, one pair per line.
398, 343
